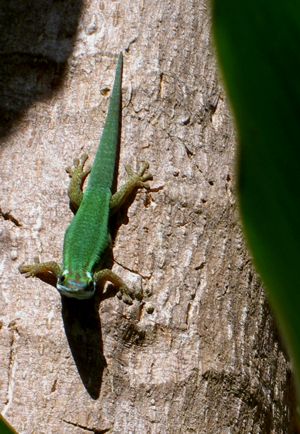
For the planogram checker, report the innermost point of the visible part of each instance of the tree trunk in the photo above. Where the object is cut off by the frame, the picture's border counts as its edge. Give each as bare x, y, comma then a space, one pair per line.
207, 360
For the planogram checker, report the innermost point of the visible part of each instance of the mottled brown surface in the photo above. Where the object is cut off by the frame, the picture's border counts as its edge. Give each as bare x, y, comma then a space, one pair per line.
208, 359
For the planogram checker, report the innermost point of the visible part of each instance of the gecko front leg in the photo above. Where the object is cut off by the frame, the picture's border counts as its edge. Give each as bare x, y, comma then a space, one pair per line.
125, 293
42, 269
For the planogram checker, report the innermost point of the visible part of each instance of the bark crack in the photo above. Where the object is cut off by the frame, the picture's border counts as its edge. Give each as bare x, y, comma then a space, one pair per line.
12, 366
93, 430
8, 216
131, 270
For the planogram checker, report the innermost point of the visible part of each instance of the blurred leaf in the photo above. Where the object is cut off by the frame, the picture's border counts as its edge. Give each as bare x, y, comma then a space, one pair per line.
5, 427
258, 46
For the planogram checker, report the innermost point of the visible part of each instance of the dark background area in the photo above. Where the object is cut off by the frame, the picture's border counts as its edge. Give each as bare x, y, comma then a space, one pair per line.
36, 40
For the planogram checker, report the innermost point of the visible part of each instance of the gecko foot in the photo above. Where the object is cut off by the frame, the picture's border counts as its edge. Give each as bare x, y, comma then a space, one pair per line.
33, 270
141, 176
78, 168
124, 293
28, 270
127, 295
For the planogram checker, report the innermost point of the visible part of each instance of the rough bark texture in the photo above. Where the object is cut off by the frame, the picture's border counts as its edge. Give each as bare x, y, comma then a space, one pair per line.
208, 359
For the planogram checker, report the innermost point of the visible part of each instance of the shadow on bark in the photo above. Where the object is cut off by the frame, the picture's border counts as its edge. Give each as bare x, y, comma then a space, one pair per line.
83, 330
36, 40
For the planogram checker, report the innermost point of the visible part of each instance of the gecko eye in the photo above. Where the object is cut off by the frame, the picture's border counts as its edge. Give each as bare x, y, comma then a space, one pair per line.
61, 279
90, 284
91, 287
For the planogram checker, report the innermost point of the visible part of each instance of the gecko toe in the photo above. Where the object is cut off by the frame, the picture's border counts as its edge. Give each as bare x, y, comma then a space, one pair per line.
144, 168
127, 299
26, 270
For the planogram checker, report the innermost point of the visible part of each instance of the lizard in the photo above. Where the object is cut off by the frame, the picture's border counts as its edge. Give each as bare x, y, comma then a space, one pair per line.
87, 238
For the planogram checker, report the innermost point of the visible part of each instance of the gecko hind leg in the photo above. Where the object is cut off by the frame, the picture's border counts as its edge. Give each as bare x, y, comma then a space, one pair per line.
78, 174
136, 180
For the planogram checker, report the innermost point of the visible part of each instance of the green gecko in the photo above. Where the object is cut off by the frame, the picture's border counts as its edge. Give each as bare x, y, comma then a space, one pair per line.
87, 238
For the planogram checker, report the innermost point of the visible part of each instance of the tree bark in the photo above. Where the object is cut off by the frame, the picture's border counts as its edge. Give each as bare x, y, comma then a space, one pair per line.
208, 359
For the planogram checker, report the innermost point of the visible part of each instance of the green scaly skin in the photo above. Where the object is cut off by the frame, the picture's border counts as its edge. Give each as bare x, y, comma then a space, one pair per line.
87, 237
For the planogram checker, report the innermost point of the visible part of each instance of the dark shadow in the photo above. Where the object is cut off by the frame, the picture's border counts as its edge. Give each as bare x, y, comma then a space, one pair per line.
121, 216
83, 330
36, 40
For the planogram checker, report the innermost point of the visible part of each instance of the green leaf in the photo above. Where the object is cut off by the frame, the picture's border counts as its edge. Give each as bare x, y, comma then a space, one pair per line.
5, 427
258, 46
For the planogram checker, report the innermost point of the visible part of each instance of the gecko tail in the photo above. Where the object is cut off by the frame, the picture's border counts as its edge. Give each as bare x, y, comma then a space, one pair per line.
102, 174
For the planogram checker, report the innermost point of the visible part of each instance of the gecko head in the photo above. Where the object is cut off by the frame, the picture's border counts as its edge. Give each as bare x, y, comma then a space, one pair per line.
76, 285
